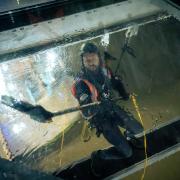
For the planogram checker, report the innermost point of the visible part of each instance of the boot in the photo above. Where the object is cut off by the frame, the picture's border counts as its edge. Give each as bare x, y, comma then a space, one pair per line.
96, 160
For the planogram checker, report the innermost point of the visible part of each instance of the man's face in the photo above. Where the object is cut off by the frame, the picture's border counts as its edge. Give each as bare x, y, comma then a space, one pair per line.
91, 61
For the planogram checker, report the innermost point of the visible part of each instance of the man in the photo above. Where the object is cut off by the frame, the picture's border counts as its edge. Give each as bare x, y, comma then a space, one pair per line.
94, 83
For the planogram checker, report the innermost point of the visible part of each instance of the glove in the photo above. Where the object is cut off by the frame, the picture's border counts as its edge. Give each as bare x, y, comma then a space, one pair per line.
118, 85
118, 78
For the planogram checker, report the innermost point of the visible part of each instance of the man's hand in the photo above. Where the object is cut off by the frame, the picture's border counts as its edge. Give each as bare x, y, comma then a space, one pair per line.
118, 86
117, 78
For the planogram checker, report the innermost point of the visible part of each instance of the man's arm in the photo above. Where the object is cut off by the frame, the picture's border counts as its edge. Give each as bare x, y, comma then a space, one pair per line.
118, 86
83, 95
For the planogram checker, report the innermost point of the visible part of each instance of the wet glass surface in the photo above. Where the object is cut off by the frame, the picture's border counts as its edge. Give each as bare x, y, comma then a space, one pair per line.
149, 70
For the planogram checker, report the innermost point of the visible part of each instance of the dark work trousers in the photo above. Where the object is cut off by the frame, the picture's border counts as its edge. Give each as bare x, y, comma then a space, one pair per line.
110, 130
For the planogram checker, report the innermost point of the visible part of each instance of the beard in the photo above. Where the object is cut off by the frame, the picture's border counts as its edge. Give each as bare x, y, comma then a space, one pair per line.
93, 70
95, 76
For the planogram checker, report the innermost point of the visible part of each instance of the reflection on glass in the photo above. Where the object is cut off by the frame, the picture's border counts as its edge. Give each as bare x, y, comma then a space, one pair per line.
149, 70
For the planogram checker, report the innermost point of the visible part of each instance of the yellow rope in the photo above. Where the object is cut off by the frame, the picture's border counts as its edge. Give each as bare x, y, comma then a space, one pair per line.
133, 98
85, 126
5, 147
62, 142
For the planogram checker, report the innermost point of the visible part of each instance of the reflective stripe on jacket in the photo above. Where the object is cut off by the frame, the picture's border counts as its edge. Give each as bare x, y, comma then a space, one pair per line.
92, 89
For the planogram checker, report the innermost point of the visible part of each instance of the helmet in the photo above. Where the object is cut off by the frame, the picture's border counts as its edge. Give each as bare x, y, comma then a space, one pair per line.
89, 48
